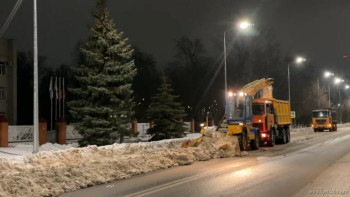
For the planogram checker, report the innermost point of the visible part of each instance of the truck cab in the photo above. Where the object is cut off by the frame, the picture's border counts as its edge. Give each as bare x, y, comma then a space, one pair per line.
239, 116
323, 119
272, 117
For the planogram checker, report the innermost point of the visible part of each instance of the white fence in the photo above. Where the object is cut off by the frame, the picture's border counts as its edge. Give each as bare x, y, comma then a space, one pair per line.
20, 133
25, 133
72, 134
142, 127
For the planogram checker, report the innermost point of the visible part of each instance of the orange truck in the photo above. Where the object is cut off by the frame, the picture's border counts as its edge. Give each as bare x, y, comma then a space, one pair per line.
324, 119
273, 119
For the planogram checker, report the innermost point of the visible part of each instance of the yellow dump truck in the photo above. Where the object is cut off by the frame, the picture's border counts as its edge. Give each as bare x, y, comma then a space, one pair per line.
323, 119
273, 119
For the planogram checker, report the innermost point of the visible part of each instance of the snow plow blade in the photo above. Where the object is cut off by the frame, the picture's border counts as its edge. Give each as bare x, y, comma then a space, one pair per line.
215, 140
192, 143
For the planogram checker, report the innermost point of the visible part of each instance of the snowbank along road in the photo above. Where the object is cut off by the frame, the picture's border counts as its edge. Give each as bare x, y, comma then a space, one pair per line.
282, 170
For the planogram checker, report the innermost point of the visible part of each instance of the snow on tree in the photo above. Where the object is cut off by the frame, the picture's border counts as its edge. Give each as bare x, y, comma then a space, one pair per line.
102, 105
166, 114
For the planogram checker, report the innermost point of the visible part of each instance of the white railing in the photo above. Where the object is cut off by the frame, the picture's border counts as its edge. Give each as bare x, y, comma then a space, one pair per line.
20, 133
25, 133
72, 134
142, 127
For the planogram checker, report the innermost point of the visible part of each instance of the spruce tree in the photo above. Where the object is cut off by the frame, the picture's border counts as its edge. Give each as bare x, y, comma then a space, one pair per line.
102, 105
166, 114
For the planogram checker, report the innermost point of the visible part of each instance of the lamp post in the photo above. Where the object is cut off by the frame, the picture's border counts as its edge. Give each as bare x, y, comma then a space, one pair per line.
243, 26
326, 75
36, 88
339, 81
298, 60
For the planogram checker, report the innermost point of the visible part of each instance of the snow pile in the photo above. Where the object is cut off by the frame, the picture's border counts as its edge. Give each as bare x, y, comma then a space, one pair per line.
45, 147
50, 173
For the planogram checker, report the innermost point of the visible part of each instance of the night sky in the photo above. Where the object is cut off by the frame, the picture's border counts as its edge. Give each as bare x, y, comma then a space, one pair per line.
317, 29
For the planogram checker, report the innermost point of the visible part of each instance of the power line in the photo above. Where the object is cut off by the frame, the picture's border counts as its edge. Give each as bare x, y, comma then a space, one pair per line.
10, 17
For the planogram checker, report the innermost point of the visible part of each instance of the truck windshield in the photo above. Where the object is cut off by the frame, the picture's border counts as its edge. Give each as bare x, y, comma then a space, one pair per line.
320, 114
258, 109
235, 107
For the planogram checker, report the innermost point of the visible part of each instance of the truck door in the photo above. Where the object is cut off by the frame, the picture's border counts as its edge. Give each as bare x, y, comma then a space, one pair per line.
270, 115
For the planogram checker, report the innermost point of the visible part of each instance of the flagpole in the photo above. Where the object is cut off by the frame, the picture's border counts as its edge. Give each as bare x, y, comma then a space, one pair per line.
59, 97
51, 97
63, 97
56, 97
51, 114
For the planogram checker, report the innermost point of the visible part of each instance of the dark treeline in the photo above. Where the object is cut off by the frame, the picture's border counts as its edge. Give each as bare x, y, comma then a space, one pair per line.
198, 78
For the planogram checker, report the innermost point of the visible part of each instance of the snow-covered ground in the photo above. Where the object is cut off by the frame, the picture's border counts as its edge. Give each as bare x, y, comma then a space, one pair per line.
57, 169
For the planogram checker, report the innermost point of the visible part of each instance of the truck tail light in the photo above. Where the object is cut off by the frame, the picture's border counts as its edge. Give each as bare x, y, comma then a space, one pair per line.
263, 135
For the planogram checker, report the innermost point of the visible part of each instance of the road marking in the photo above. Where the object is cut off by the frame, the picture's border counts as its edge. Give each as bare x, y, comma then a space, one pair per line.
278, 152
180, 181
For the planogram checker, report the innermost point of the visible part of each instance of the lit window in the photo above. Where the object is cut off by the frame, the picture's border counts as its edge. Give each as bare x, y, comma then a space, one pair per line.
2, 68
2, 93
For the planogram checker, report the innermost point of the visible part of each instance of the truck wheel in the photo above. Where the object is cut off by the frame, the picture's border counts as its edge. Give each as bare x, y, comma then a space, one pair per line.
255, 144
243, 141
288, 135
271, 142
315, 130
283, 139
335, 128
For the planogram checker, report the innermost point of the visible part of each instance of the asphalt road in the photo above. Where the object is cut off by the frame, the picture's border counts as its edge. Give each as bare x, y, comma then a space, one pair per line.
279, 171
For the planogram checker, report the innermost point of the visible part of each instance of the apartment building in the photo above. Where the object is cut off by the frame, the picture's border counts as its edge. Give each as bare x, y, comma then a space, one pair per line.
8, 80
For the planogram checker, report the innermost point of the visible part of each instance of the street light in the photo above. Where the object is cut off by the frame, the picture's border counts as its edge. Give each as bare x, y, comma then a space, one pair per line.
328, 74
36, 87
298, 60
339, 81
243, 26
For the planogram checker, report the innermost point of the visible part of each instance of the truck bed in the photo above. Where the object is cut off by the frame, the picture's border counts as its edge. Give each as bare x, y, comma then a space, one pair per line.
282, 111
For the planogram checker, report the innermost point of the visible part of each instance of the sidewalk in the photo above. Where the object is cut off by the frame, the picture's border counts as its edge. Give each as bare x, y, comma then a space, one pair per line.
334, 181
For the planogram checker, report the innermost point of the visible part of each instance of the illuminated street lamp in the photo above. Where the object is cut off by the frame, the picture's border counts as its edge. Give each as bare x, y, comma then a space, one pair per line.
339, 81
298, 60
244, 25
328, 74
